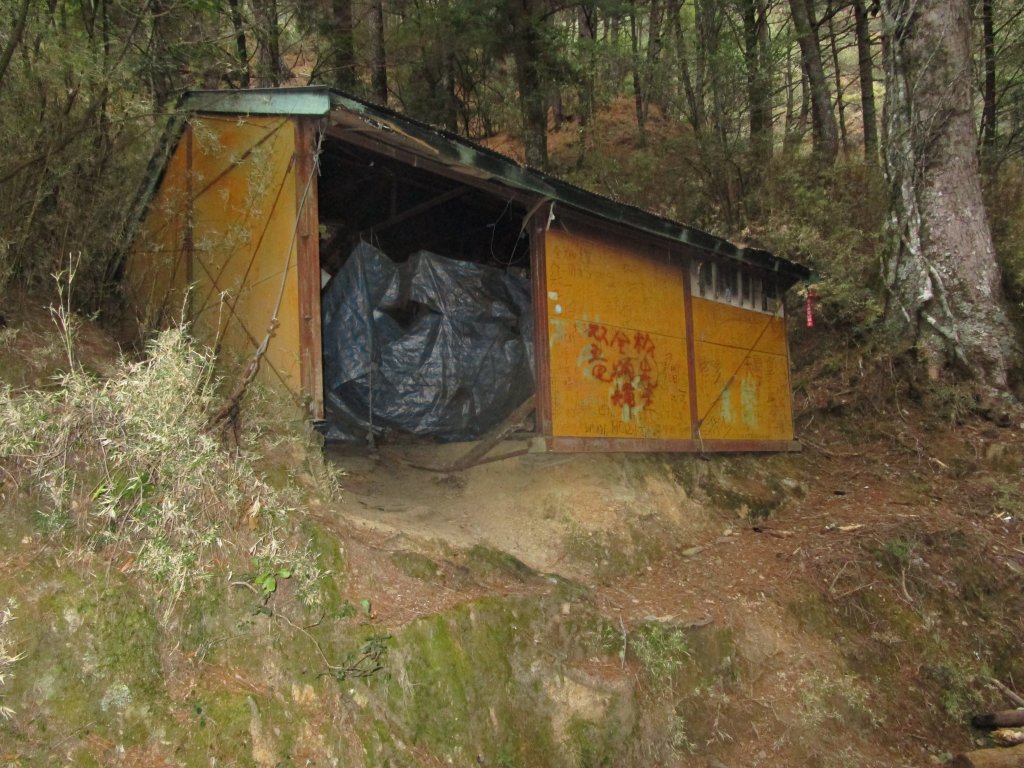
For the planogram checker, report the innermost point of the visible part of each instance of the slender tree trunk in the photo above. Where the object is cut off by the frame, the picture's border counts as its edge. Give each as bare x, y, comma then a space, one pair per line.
655, 43
449, 83
838, 72
791, 136
826, 140
15, 38
705, 44
613, 18
759, 98
941, 272
238, 25
695, 110
378, 59
865, 67
557, 108
161, 67
586, 18
103, 137
269, 72
344, 52
639, 100
524, 21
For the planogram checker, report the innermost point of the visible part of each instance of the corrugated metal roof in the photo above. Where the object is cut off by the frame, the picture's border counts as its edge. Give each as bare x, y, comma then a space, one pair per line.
457, 151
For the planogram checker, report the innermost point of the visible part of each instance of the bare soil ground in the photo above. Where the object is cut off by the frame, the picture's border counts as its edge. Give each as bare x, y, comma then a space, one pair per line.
854, 599
871, 583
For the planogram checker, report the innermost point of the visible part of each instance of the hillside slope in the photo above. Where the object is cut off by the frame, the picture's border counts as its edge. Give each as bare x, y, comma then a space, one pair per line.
845, 606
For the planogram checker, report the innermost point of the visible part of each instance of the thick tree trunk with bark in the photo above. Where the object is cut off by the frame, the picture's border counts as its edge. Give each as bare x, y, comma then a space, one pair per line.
940, 269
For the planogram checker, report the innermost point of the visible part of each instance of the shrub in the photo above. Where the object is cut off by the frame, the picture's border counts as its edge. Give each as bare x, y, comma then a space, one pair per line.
8, 658
125, 467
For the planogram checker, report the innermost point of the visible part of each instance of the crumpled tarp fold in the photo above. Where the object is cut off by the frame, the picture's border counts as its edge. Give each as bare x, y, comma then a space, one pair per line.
432, 347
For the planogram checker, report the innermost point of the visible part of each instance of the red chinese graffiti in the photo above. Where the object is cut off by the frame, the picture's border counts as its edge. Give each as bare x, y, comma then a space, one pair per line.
623, 360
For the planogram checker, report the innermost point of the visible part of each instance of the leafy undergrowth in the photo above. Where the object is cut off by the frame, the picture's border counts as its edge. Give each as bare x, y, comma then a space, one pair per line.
125, 468
169, 602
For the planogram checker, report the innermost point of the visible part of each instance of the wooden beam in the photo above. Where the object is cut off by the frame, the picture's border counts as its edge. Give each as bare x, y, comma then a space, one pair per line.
541, 343
1010, 718
478, 453
561, 444
482, 182
416, 210
307, 245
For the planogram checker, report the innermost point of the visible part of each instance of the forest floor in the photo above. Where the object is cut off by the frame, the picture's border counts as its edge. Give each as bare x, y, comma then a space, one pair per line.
847, 605
870, 583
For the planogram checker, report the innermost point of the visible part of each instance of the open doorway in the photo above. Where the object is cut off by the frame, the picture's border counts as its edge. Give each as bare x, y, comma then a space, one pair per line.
427, 324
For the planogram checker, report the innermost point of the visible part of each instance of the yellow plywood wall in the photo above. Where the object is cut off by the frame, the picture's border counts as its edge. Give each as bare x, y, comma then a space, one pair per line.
157, 275
742, 367
617, 337
243, 192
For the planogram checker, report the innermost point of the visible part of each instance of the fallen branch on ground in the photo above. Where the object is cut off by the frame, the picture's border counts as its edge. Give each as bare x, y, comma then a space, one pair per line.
1010, 694
1010, 718
1013, 757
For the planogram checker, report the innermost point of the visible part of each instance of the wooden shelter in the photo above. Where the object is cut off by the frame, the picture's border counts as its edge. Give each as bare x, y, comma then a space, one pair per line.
649, 335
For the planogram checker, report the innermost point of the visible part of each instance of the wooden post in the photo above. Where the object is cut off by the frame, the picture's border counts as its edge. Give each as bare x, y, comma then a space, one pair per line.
307, 245
541, 350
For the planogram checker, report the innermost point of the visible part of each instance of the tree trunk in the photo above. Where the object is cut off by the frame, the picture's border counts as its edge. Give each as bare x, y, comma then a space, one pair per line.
655, 42
838, 72
940, 268
524, 22
343, 45
268, 37
865, 68
586, 16
695, 109
640, 104
14, 39
759, 91
378, 60
790, 136
449, 88
826, 140
241, 47
1008, 718
162, 77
